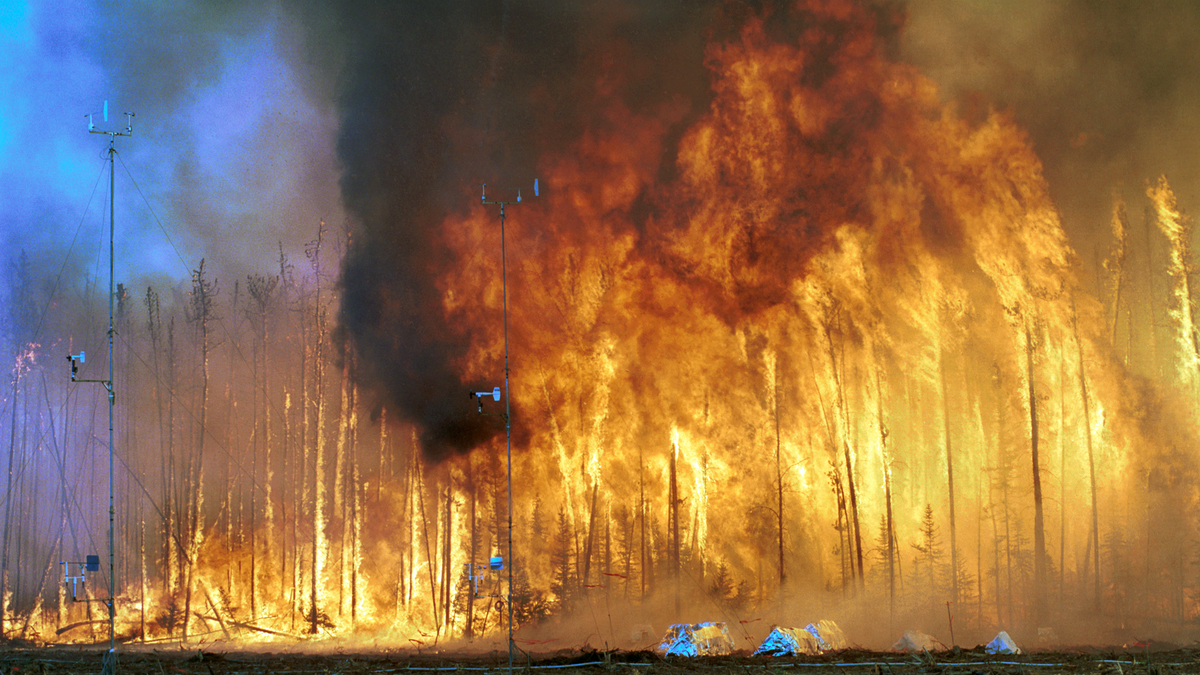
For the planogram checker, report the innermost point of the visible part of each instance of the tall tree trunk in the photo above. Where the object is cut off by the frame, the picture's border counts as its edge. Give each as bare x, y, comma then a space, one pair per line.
587, 549
778, 476
644, 569
429, 559
447, 567
202, 312
472, 559
1039, 532
1116, 263
949, 475
1087, 426
887, 496
856, 561
673, 523
1155, 366
8, 505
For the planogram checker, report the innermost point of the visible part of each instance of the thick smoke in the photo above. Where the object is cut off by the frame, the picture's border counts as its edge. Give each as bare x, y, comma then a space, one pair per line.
1106, 90
441, 98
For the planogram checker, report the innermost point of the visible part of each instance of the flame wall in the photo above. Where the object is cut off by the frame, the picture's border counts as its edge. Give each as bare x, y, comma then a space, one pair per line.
816, 276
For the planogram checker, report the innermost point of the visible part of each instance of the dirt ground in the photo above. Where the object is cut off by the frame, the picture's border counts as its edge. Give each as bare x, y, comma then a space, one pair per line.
149, 660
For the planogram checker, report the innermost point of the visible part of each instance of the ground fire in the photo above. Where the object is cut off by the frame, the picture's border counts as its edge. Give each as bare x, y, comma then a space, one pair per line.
819, 348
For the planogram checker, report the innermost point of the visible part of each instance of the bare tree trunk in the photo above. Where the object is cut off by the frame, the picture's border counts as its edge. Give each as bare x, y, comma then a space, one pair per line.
420, 488
1116, 263
1039, 532
856, 561
201, 313
644, 570
173, 528
587, 549
949, 476
319, 542
778, 476
356, 501
1155, 366
12, 453
472, 559
341, 503
446, 566
1062, 479
887, 496
1087, 426
673, 520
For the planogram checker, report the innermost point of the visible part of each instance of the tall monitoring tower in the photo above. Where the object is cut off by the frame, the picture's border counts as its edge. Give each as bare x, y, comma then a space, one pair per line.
110, 658
507, 405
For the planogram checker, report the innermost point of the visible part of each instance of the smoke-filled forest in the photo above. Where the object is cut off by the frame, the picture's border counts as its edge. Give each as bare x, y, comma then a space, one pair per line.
792, 333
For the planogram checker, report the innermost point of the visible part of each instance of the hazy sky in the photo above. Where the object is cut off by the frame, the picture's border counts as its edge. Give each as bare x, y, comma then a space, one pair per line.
232, 148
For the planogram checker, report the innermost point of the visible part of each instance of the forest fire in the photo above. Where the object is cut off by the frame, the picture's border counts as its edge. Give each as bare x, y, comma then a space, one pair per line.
820, 349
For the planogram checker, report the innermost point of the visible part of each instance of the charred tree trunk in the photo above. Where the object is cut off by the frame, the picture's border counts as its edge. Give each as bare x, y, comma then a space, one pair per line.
949, 476
444, 555
1039, 533
591, 533
856, 560
430, 562
673, 519
887, 496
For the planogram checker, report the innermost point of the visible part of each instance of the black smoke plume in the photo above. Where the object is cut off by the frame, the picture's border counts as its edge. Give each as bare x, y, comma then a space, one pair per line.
439, 97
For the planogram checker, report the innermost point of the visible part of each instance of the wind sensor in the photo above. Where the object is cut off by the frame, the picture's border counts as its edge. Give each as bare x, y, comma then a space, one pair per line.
480, 395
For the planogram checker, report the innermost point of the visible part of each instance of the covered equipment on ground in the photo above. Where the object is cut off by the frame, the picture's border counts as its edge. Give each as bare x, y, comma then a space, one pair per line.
696, 639
829, 636
916, 641
788, 642
1002, 644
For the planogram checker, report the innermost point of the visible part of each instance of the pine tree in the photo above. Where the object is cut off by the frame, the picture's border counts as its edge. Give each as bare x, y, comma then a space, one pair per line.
722, 588
562, 583
927, 568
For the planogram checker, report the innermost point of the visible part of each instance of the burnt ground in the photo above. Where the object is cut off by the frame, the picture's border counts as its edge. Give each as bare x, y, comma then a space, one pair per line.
147, 660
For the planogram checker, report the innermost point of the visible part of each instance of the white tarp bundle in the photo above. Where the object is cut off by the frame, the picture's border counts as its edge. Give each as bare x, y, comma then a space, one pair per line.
916, 641
1003, 644
788, 642
829, 636
696, 639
